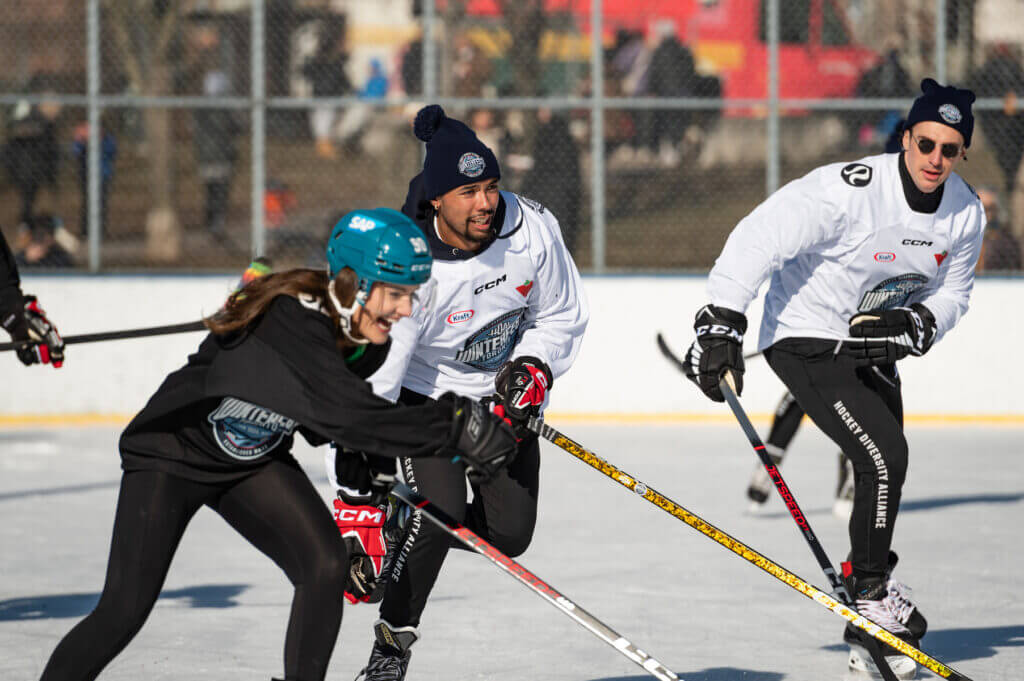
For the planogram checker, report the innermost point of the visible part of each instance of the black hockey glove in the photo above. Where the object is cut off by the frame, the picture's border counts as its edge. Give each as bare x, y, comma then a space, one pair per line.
30, 323
363, 478
522, 386
887, 336
478, 438
717, 349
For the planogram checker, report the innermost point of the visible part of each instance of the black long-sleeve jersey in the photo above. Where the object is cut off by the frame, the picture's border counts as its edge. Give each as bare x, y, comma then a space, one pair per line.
241, 398
10, 284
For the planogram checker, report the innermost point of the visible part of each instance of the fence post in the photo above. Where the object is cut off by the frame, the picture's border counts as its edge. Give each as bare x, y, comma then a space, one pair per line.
257, 108
95, 135
773, 162
940, 41
597, 137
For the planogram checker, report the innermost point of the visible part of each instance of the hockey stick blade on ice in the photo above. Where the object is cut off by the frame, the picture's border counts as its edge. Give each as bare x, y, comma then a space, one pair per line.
116, 335
533, 582
824, 599
728, 387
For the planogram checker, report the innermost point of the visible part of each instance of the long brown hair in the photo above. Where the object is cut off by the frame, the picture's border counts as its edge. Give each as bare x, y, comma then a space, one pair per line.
247, 304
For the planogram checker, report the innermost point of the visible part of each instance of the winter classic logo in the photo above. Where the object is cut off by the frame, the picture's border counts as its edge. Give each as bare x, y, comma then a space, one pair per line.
471, 165
247, 431
459, 317
856, 174
891, 293
950, 114
488, 348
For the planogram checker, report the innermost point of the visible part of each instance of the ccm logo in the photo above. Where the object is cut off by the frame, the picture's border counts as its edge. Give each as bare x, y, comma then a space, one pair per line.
459, 317
489, 285
885, 257
916, 242
353, 515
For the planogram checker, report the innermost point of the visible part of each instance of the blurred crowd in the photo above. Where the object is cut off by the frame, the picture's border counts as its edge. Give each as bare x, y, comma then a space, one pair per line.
544, 152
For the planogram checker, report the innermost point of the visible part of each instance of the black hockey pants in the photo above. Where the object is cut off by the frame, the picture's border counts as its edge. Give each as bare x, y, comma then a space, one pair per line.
503, 511
277, 509
861, 410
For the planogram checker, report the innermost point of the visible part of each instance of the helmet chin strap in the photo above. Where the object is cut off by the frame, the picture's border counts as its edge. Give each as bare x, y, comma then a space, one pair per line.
345, 313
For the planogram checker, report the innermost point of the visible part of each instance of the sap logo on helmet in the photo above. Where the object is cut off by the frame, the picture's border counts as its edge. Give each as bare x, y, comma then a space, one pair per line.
419, 245
362, 224
489, 285
357, 515
459, 317
950, 114
885, 257
471, 165
856, 174
916, 242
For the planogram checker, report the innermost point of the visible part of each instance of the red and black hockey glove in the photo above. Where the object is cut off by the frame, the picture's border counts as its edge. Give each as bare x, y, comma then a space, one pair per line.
887, 336
363, 483
29, 323
522, 386
717, 349
362, 528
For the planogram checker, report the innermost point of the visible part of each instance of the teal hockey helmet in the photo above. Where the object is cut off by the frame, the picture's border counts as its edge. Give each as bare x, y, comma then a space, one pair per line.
379, 245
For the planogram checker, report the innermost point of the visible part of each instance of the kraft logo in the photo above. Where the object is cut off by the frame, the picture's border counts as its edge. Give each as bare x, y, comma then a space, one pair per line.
354, 515
916, 242
459, 317
885, 257
489, 285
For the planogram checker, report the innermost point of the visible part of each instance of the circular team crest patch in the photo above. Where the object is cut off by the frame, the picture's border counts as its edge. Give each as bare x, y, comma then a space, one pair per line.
856, 174
950, 114
471, 165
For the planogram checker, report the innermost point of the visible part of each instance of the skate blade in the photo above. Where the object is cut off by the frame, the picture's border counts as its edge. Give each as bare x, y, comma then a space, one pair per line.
861, 667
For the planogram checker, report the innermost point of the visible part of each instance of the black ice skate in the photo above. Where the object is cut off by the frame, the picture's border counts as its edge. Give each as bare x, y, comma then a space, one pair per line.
760, 486
886, 603
843, 506
389, 658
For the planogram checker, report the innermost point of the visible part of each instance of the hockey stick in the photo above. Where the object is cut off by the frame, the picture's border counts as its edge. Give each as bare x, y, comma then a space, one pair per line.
671, 356
545, 431
116, 335
728, 387
533, 582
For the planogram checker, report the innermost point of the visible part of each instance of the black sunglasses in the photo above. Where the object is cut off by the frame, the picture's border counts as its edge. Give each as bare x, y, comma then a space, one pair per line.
926, 146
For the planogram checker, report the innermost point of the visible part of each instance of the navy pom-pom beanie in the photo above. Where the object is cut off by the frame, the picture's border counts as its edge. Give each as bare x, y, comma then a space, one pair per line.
455, 156
943, 104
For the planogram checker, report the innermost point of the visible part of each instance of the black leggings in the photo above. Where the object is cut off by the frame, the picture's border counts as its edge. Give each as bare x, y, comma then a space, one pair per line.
277, 509
861, 410
503, 511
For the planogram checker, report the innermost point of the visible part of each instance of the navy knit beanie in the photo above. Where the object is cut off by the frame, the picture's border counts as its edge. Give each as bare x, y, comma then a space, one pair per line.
943, 104
455, 156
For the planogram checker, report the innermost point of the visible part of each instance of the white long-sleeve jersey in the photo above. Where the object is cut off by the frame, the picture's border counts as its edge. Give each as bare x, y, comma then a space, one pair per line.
842, 240
521, 295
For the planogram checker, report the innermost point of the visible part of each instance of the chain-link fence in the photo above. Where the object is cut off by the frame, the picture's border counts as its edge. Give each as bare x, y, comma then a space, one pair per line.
191, 134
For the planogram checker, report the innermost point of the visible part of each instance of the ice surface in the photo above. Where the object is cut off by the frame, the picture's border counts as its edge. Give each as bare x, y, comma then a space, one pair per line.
686, 600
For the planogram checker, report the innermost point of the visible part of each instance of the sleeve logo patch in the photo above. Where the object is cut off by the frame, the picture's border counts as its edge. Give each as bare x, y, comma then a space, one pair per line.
857, 174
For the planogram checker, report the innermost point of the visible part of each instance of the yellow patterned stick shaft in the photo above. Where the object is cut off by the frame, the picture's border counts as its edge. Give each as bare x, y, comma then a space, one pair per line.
739, 548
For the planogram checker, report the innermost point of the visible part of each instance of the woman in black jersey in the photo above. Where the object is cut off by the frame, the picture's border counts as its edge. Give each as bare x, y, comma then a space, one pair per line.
288, 353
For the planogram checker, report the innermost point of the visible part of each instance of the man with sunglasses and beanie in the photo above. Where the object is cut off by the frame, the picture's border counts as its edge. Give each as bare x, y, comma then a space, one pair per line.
501, 319
869, 262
